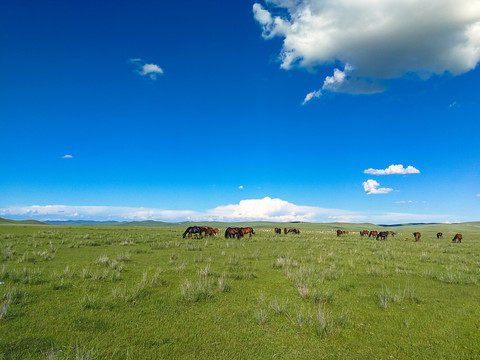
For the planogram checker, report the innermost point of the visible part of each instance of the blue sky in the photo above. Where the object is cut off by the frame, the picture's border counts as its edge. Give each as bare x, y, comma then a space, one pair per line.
200, 110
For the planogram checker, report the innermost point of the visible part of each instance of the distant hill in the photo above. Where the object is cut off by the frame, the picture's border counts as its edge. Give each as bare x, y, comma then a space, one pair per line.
472, 226
21, 222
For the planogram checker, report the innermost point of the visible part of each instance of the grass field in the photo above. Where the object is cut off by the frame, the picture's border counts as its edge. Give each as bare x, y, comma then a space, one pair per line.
89, 292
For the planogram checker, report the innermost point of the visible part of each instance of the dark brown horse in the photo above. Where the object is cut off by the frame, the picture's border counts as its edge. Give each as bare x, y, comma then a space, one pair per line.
364, 233
373, 233
233, 233
339, 232
295, 231
417, 236
195, 231
382, 235
439, 235
457, 238
278, 231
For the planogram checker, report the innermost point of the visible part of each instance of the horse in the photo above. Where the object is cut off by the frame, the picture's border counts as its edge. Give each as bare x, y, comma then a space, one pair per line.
285, 231
457, 238
339, 232
194, 230
373, 233
247, 230
364, 233
295, 231
210, 232
278, 231
382, 235
439, 235
417, 236
233, 233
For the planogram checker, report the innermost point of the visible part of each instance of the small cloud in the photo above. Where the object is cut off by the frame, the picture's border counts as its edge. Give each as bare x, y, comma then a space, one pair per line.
478, 195
453, 104
393, 170
240, 187
372, 187
312, 95
67, 156
150, 70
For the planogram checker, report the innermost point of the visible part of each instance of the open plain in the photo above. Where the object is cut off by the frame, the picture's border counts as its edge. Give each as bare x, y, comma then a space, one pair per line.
98, 292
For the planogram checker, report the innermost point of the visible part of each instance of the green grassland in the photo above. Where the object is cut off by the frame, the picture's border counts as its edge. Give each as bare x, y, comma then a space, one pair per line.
118, 292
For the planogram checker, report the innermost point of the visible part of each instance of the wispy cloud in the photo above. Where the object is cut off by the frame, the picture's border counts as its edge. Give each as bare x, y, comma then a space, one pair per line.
144, 69
240, 187
372, 187
266, 209
393, 170
375, 40
67, 156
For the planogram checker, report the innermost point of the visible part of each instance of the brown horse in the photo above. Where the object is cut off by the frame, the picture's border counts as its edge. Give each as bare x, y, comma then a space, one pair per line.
373, 233
439, 235
247, 230
278, 231
457, 238
210, 232
417, 236
364, 233
339, 232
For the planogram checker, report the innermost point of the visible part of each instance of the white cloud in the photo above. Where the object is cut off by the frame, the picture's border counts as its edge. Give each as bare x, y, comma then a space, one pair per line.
150, 70
405, 202
372, 187
67, 156
312, 95
240, 187
393, 170
376, 40
478, 195
266, 209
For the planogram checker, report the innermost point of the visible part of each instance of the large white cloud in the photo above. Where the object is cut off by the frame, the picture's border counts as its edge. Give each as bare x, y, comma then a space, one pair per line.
266, 209
393, 170
374, 40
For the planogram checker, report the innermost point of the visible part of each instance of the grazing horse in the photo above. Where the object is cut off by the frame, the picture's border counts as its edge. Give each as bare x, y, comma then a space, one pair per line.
210, 232
417, 236
373, 233
457, 238
295, 231
285, 231
364, 233
194, 230
233, 233
278, 231
393, 234
439, 235
339, 232
247, 230
346, 232
382, 235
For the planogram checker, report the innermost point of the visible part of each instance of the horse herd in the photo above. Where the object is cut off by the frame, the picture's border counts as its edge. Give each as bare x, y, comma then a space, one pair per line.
201, 231
240, 232
382, 235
